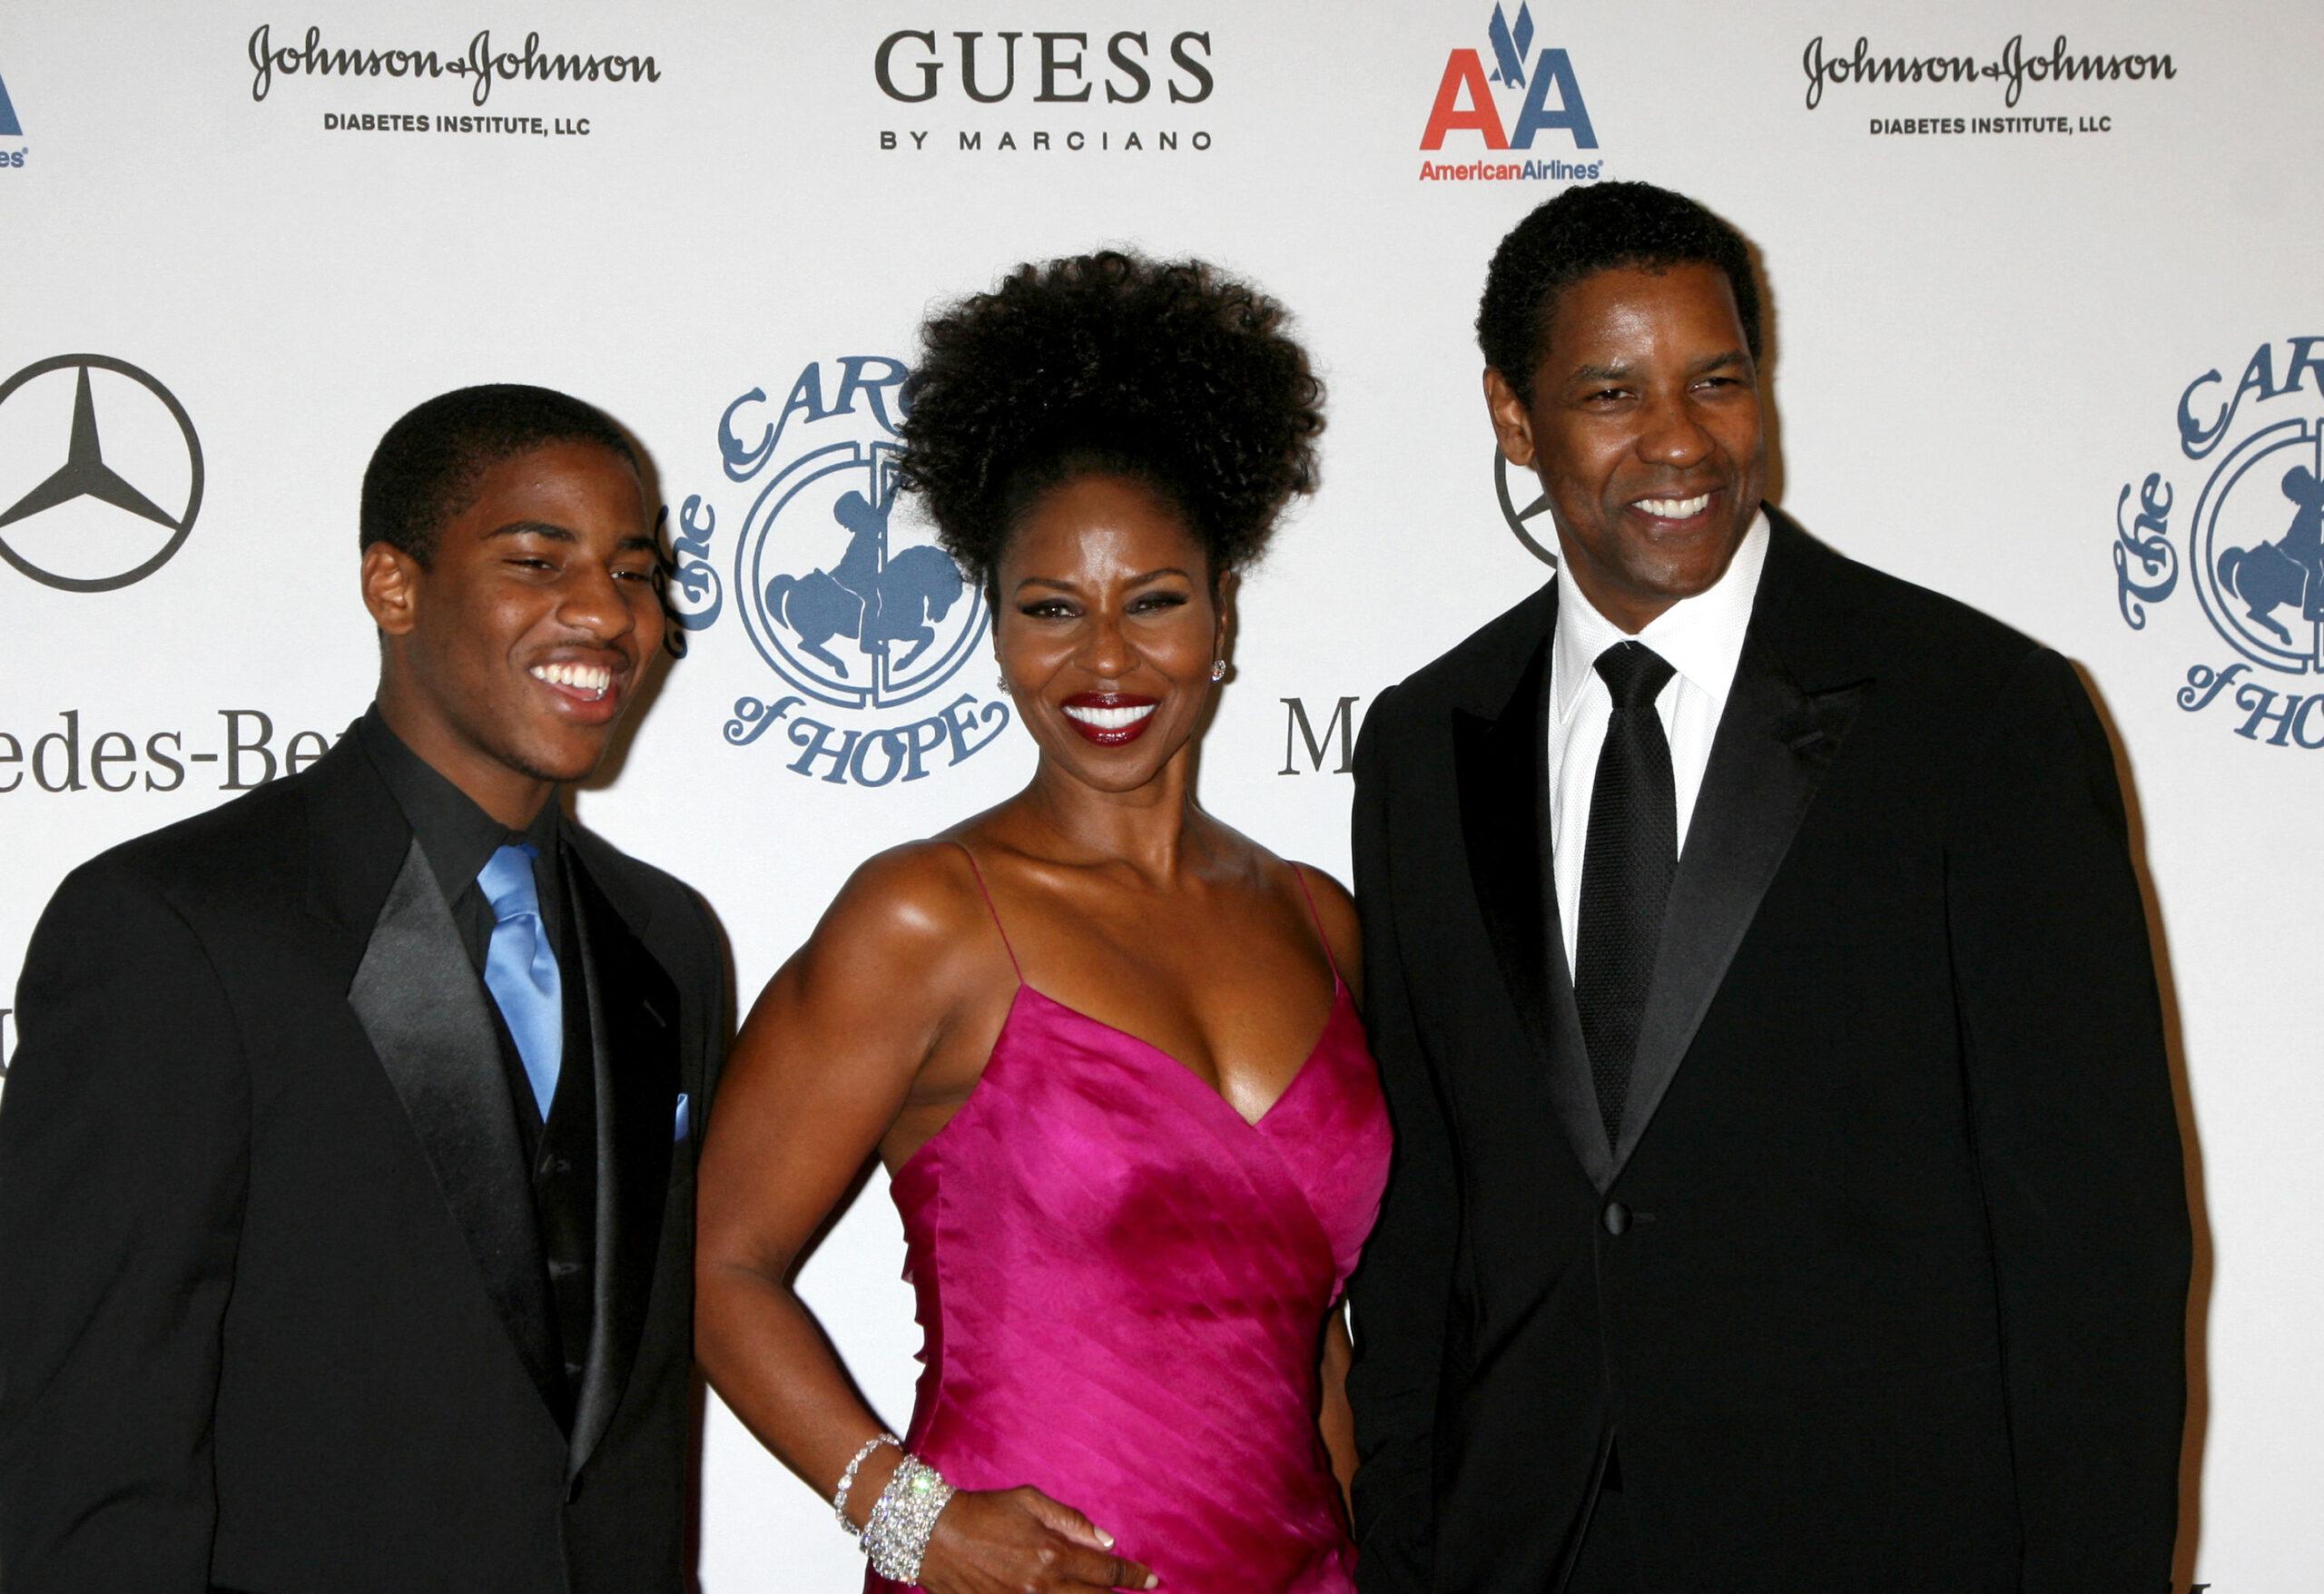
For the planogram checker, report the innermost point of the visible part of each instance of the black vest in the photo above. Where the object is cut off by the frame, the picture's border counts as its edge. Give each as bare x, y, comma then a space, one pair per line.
563, 1152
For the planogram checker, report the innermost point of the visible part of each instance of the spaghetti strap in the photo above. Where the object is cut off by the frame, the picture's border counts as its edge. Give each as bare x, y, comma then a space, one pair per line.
985, 892
1301, 876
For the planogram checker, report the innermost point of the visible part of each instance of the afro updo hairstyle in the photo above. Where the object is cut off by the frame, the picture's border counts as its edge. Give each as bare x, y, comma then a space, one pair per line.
1168, 372
1598, 227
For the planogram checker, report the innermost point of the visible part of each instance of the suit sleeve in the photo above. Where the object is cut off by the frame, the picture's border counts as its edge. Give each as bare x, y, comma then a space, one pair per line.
2077, 1139
715, 996
1399, 1294
124, 1130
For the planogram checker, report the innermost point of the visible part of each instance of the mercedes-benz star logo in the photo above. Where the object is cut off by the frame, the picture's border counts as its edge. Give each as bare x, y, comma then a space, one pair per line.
85, 475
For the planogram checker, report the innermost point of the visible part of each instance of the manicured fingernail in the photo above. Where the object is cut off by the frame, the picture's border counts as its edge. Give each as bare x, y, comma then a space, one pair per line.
1152, 1581
1105, 1538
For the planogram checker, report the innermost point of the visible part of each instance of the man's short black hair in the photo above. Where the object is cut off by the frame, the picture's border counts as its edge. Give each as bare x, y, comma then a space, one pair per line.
425, 470
1597, 227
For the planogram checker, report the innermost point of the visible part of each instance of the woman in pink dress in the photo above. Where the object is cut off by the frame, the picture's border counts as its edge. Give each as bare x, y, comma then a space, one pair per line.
1107, 1046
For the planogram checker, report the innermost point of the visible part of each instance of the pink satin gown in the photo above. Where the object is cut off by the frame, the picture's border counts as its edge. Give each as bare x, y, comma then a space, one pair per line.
1123, 1284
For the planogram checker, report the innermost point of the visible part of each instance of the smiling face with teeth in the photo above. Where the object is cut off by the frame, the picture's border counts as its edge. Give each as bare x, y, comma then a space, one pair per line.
511, 654
1108, 630
1645, 430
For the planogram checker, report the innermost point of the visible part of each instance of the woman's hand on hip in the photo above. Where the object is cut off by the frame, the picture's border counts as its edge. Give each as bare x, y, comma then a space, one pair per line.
1020, 1541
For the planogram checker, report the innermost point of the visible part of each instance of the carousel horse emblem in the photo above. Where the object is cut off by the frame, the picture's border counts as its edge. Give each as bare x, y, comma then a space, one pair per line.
867, 595
2288, 571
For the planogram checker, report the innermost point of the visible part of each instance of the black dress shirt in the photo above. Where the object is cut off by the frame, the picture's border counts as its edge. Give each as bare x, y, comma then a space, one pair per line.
459, 837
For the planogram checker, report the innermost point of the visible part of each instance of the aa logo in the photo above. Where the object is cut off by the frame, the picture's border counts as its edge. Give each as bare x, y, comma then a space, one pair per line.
1541, 85
9, 126
863, 621
2252, 548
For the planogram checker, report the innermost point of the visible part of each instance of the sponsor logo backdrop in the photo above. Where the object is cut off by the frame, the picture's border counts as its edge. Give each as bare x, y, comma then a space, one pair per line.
2046, 336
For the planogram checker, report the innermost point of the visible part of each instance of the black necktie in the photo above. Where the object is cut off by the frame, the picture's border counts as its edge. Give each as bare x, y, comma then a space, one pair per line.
1626, 869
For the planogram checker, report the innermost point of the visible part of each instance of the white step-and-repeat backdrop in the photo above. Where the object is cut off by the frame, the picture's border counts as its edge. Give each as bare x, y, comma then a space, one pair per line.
2047, 335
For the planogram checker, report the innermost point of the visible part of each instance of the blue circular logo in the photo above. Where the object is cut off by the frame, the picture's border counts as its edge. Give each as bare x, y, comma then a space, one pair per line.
2258, 530
848, 606
2253, 547
843, 590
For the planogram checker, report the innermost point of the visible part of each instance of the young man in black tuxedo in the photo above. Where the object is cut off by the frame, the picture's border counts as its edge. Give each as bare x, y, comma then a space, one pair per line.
1787, 1192
347, 1160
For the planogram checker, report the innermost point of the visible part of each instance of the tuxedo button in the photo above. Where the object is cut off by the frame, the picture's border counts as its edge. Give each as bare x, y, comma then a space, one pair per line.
559, 1269
1615, 1217
559, 1167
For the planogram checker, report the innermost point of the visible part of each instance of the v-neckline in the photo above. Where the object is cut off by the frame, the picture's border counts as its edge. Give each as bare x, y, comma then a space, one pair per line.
1257, 1124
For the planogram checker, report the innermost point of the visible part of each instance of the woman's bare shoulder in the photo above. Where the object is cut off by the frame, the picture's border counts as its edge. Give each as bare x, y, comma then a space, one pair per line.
1336, 909
907, 901
1330, 898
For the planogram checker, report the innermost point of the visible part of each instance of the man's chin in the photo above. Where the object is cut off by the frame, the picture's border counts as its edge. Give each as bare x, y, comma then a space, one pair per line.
564, 765
1699, 569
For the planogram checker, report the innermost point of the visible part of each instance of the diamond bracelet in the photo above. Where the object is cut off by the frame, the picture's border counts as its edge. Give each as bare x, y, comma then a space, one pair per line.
896, 1534
847, 1478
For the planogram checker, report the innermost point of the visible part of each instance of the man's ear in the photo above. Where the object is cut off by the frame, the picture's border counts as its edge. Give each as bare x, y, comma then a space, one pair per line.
1510, 423
390, 588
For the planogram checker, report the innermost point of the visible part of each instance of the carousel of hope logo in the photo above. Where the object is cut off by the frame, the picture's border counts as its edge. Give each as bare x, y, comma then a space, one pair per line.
863, 621
2252, 548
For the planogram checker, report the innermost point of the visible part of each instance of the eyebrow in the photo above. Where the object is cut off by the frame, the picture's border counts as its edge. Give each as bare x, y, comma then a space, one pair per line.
1620, 373
532, 528
634, 542
1050, 581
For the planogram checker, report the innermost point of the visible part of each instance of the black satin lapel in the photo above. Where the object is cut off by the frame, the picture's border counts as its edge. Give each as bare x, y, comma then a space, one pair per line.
1774, 745
1502, 771
424, 1009
634, 1049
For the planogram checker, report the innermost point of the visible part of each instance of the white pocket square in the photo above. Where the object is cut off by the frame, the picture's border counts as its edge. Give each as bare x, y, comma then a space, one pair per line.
684, 1122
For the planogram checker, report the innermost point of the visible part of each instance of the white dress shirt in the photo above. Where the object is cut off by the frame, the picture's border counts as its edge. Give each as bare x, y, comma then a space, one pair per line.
1701, 638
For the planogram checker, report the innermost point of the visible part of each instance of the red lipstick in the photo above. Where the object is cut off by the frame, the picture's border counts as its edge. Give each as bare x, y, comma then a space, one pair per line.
1109, 719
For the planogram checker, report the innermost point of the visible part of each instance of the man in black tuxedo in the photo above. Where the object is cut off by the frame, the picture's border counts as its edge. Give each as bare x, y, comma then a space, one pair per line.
1787, 1192
347, 1161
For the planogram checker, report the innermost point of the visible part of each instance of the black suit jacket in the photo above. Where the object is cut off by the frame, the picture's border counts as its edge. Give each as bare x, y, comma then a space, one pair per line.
273, 1310
1883, 1287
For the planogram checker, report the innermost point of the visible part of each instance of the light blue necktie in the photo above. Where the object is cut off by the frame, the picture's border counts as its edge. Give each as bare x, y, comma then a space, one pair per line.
520, 967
